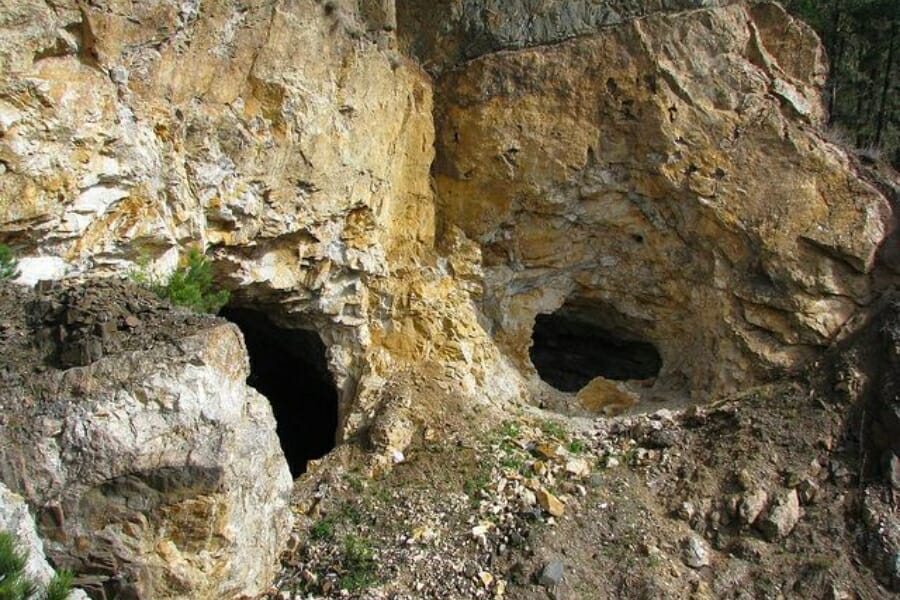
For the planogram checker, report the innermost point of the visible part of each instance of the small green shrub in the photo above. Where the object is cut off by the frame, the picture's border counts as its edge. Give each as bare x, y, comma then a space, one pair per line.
322, 530
577, 447
359, 564
190, 286
60, 586
553, 429
15, 583
9, 265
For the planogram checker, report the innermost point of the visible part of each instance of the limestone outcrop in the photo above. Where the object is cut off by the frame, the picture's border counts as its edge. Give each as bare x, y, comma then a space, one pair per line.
154, 471
289, 139
419, 183
444, 34
664, 179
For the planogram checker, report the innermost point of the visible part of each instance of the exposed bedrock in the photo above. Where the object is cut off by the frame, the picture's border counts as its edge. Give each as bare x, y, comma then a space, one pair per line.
286, 138
667, 176
153, 469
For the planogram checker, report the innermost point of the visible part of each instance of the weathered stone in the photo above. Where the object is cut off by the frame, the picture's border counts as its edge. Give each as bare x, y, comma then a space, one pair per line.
752, 505
781, 517
695, 552
158, 471
16, 520
893, 470
444, 34
550, 503
578, 467
647, 194
552, 574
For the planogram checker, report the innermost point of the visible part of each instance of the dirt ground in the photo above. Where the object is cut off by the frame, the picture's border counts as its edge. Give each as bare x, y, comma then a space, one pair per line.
763, 495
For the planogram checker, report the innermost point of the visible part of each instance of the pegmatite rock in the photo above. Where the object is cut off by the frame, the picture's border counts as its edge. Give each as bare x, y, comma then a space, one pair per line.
17, 520
154, 471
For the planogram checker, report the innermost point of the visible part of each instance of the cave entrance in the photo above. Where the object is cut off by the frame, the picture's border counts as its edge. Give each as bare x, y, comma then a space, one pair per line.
289, 367
577, 344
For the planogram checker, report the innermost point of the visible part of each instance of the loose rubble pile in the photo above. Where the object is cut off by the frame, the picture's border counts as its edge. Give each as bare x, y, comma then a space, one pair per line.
728, 501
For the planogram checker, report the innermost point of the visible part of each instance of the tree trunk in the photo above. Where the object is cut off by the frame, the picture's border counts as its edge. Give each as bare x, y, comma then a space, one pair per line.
886, 84
835, 54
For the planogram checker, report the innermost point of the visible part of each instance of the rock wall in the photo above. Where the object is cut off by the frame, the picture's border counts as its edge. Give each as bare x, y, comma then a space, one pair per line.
16, 520
287, 138
446, 33
660, 173
665, 178
416, 181
153, 469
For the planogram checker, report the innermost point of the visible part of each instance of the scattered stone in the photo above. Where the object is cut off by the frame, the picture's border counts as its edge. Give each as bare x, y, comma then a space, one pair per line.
550, 503
782, 516
695, 552
552, 574
686, 511
547, 451
578, 467
752, 505
486, 579
745, 480
661, 439
808, 491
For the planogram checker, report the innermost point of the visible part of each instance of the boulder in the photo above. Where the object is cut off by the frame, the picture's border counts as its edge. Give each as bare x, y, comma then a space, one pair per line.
154, 471
16, 520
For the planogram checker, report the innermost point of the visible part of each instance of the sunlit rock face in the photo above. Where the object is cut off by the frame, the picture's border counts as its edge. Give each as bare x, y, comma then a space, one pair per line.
651, 170
289, 139
414, 186
663, 179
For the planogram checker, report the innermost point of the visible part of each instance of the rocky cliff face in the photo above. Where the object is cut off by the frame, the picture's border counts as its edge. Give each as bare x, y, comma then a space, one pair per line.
678, 193
660, 177
433, 186
153, 469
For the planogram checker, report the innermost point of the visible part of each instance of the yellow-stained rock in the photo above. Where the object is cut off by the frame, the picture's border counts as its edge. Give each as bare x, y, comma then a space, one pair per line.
677, 193
550, 503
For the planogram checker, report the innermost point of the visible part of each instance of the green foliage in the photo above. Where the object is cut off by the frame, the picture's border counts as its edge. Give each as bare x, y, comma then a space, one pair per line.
509, 429
862, 38
553, 429
475, 484
9, 265
16, 585
577, 447
60, 586
190, 286
358, 563
322, 530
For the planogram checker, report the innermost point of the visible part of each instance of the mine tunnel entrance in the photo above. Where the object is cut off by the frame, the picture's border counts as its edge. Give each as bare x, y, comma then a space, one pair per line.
573, 346
289, 367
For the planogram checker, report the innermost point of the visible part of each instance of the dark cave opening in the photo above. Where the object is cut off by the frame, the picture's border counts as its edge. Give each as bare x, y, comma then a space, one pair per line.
570, 349
290, 368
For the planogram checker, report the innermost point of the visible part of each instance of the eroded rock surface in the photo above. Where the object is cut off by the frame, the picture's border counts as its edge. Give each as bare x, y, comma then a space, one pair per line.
16, 520
417, 182
288, 138
154, 470
663, 179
